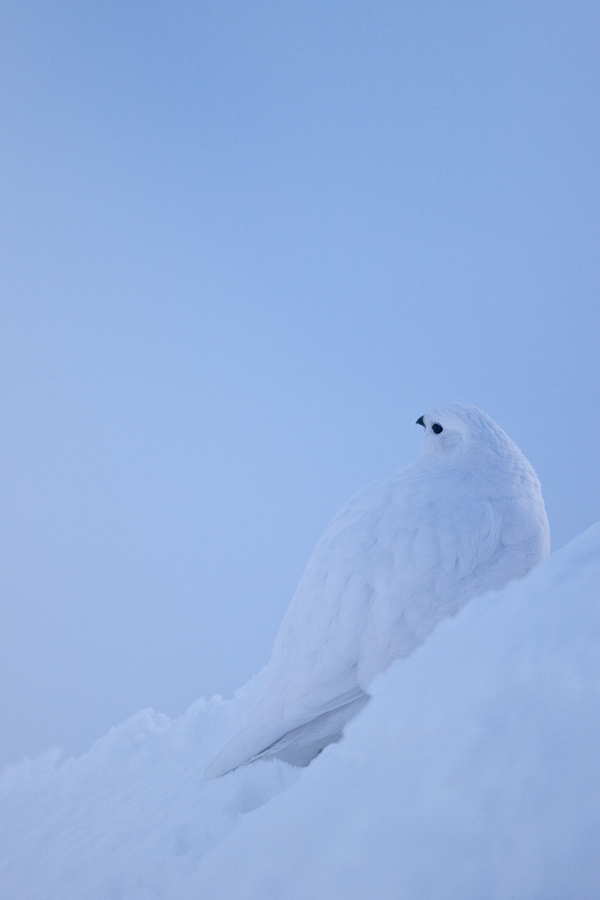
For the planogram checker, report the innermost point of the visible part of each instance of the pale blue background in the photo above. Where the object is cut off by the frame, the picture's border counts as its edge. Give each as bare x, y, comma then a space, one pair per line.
244, 245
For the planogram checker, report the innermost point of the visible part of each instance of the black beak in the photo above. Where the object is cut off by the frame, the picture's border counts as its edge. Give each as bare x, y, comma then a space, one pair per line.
420, 421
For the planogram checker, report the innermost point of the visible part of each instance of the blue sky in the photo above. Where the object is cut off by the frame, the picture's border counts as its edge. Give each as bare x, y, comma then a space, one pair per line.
244, 245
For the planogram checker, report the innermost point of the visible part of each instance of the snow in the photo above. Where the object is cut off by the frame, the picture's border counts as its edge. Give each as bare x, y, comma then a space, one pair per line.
473, 773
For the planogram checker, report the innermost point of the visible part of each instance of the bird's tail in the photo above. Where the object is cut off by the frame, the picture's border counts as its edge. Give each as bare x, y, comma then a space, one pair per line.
297, 745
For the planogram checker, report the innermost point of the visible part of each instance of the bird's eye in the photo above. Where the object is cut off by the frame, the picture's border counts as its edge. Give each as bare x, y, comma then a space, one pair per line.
437, 429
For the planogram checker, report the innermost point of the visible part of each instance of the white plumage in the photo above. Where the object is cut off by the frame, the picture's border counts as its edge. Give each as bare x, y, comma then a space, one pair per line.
405, 552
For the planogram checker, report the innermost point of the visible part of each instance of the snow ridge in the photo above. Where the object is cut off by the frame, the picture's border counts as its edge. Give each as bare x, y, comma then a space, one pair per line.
472, 773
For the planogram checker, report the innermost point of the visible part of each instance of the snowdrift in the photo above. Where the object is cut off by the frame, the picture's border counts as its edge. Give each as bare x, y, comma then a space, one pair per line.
473, 773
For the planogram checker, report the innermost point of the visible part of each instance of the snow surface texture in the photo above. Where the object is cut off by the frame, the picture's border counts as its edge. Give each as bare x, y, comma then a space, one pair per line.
473, 773
403, 554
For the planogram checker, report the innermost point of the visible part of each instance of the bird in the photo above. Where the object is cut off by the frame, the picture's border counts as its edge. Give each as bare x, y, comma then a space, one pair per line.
406, 552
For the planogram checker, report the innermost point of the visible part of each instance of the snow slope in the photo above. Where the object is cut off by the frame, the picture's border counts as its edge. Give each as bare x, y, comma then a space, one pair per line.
472, 774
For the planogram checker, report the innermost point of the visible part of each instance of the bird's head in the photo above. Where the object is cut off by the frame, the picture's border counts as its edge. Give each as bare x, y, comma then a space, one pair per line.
458, 429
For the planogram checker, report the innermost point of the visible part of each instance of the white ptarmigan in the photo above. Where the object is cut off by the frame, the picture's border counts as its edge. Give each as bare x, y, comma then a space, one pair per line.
405, 552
